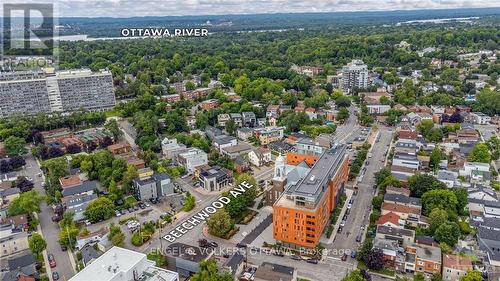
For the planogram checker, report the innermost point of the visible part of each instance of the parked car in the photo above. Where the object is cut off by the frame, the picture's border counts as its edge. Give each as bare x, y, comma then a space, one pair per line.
56, 218
87, 222
123, 211
278, 254
130, 209
213, 244
313, 261
358, 238
353, 254
344, 257
241, 245
64, 248
55, 275
136, 207
52, 260
141, 205
117, 213
297, 258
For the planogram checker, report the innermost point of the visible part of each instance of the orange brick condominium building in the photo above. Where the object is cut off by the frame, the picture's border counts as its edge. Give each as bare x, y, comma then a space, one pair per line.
302, 212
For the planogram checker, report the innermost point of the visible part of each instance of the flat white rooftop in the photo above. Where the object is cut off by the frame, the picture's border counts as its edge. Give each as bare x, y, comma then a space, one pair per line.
117, 264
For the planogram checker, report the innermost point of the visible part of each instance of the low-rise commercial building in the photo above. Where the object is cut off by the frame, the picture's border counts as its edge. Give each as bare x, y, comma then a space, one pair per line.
119, 264
215, 178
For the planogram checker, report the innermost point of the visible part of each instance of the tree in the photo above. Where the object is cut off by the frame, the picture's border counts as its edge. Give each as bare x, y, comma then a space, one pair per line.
480, 153
220, 223
208, 272
436, 218
15, 146
448, 233
365, 249
375, 259
343, 101
443, 199
231, 127
116, 235
189, 202
36, 243
472, 275
100, 209
26, 203
437, 277
436, 156
354, 276
343, 114
420, 184
419, 277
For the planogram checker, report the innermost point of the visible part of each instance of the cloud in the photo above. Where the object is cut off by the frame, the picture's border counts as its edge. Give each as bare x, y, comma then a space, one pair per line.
127, 8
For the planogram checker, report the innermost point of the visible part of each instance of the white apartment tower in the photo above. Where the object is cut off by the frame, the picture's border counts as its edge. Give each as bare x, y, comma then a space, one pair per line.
32, 92
354, 75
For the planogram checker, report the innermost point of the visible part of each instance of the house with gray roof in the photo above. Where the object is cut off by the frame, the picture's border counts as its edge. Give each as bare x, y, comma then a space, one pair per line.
155, 186
403, 200
403, 236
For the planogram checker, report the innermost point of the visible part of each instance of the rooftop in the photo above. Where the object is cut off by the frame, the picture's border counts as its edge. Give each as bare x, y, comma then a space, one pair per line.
116, 262
395, 231
457, 262
400, 208
428, 253
274, 272
186, 252
398, 198
315, 183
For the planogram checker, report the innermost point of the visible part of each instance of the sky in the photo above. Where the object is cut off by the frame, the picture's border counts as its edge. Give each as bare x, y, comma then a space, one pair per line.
128, 8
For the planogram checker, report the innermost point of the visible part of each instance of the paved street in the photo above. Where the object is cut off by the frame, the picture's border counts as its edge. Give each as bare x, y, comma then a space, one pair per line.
359, 214
50, 229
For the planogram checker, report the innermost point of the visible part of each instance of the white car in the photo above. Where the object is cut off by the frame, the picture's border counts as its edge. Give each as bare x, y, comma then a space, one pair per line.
117, 213
87, 222
349, 206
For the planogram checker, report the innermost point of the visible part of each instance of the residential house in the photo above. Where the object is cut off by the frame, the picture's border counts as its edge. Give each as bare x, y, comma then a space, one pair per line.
455, 267
237, 118
244, 133
402, 211
403, 200
212, 132
224, 141
403, 236
185, 259
215, 178
234, 264
476, 172
77, 204
449, 178
20, 267
275, 272
249, 119
152, 186
74, 185
222, 119
12, 241
489, 242
481, 118
99, 236
269, 134
236, 150
390, 220
389, 248
119, 148
171, 148
209, 104
192, 158
260, 156
427, 259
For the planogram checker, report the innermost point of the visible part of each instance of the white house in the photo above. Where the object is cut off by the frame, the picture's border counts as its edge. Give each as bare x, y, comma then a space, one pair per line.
259, 156
481, 118
192, 158
99, 236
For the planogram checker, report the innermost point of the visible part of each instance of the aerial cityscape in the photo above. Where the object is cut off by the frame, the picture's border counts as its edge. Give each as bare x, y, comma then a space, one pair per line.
250, 140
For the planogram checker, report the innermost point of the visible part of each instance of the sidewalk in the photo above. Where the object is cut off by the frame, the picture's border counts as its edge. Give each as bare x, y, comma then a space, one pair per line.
329, 241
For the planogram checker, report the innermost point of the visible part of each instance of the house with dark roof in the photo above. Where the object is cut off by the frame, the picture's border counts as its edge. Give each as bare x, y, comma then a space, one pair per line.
403, 200
185, 259
275, 272
234, 264
489, 242
74, 185
152, 186
403, 236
